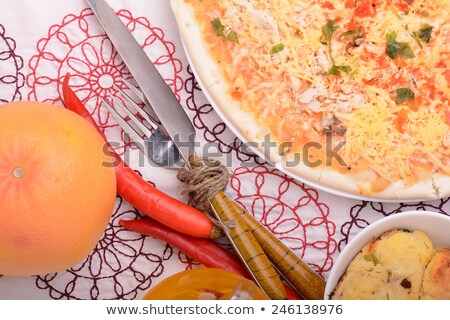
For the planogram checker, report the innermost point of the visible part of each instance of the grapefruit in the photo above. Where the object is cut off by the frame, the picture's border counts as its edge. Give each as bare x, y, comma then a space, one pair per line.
57, 191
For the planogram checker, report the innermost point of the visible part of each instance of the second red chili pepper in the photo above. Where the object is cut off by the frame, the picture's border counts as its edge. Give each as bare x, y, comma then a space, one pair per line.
205, 251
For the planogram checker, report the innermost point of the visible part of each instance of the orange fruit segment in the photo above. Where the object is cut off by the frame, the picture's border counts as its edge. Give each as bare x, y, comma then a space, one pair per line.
57, 192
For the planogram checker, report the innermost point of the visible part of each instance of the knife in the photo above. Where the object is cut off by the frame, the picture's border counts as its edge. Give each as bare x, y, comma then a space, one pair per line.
180, 130
175, 122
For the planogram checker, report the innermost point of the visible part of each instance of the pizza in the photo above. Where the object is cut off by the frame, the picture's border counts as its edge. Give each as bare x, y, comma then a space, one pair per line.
348, 95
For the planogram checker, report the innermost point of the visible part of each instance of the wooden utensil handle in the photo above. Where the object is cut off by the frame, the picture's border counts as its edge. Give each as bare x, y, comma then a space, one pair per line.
297, 272
244, 242
247, 247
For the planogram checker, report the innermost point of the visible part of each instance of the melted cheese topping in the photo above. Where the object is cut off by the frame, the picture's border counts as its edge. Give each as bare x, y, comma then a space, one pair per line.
293, 93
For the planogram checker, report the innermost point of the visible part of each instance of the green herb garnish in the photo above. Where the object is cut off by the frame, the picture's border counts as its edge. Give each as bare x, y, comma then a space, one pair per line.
396, 49
425, 33
396, 14
329, 29
356, 33
232, 36
276, 48
404, 94
389, 274
387, 296
351, 32
336, 70
218, 26
371, 258
417, 38
353, 73
327, 35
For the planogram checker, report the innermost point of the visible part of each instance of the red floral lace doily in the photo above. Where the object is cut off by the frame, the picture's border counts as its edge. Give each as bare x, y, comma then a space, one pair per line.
303, 225
114, 269
79, 46
362, 215
11, 64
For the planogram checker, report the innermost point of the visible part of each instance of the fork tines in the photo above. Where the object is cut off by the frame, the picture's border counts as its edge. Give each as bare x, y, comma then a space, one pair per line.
147, 135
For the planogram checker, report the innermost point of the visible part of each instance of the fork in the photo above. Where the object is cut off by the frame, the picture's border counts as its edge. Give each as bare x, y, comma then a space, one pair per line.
163, 153
152, 140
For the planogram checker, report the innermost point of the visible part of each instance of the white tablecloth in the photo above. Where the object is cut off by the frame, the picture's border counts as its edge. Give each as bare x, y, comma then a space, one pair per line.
40, 41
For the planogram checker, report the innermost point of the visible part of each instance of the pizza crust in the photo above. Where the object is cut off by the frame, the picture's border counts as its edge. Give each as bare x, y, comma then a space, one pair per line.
441, 183
355, 184
246, 127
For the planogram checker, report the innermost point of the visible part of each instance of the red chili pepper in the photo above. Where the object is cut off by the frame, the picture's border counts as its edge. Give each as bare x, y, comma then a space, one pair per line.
207, 252
141, 194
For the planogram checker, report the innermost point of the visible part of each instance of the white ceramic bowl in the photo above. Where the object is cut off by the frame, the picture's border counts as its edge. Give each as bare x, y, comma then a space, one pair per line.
435, 225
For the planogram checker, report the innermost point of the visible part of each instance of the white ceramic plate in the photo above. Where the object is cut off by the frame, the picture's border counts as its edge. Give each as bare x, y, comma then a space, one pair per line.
435, 225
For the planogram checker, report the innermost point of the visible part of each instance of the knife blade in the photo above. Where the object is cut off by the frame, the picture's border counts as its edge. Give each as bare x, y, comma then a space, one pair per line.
162, 100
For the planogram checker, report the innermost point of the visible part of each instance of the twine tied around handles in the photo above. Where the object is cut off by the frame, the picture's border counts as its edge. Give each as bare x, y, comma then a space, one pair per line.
203, 182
